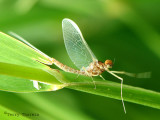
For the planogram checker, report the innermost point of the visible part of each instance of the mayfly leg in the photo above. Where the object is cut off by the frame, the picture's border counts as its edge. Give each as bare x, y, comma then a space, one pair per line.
83, 68
122, 96
102, 77
121, 87
77, 77
138, 75
125, 73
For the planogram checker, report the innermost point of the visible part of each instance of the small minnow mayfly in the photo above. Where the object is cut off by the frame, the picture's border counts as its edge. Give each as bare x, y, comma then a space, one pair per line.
81, 55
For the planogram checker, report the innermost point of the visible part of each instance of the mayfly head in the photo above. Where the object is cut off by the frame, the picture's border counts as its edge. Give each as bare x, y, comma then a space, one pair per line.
108, 64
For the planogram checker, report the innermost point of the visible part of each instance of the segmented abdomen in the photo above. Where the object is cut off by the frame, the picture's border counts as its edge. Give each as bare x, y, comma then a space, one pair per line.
66, 68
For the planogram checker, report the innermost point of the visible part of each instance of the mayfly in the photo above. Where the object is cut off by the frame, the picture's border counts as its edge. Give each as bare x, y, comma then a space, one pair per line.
81, 55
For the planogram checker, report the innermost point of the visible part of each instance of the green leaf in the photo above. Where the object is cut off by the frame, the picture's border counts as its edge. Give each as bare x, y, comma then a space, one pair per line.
16, 74
16, 52
130, 93
103, 88
19, 60
18, 78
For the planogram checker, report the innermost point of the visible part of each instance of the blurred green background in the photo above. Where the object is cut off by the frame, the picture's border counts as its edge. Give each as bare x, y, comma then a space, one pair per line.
124, 30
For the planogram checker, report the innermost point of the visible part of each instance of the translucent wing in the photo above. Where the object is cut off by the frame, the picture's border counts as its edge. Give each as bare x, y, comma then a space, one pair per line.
76, 46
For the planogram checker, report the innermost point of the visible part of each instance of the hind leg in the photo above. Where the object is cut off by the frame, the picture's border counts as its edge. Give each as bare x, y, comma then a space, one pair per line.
89, 76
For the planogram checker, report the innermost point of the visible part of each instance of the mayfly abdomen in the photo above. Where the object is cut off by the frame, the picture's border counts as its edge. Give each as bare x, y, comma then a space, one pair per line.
66, 68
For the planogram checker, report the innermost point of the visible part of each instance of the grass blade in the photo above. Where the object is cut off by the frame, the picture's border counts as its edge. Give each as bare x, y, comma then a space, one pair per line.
20, 61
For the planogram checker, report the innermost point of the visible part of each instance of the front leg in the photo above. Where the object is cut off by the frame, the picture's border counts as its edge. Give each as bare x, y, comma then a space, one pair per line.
113, 73
125, 73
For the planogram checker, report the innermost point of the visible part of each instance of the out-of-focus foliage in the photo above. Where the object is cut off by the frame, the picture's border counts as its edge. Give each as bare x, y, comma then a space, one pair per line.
127, 31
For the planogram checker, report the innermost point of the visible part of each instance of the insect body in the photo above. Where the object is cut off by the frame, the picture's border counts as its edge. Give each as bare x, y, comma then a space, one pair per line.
80, 54
94, 69
97, 68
